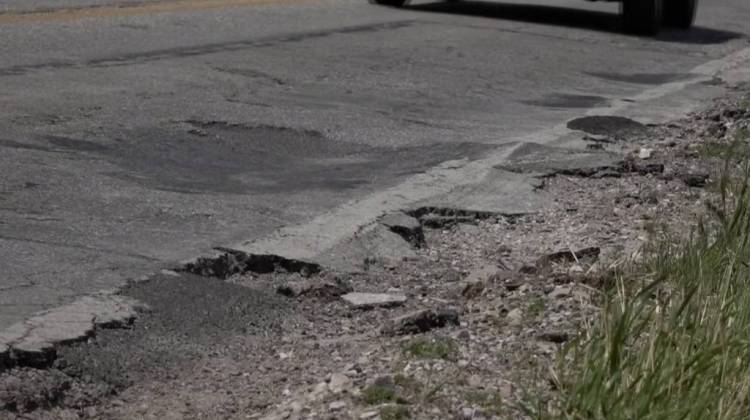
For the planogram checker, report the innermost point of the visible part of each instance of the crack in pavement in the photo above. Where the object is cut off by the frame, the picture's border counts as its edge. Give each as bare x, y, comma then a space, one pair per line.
79, 246
199, 50
126, 9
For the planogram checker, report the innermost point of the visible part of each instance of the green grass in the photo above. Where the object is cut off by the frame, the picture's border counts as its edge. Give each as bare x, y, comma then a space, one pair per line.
379, 394
408, 383
489, 402
394, 412
432, 348
745, 103
738, 148
536, 307
673, 338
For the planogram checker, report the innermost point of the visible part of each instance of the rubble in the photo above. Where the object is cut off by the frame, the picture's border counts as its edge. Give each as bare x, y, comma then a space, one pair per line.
420, 321
371, 300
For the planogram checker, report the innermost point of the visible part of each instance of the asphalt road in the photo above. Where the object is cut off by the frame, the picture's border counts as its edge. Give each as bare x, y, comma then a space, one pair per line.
137, 134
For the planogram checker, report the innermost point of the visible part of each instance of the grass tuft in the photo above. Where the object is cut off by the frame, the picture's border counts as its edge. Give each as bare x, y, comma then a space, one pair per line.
673, 338
489, 402
394, 412
432, 348
379, 394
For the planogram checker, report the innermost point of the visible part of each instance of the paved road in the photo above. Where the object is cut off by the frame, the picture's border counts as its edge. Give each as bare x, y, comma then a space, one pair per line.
136, 134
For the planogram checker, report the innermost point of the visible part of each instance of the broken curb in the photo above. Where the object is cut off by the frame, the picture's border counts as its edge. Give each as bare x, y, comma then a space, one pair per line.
407, 226
371, 300
33, 342
230, 261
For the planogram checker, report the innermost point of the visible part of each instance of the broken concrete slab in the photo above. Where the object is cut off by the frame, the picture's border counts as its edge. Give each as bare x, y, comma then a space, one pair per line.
542, 160
33, 342
420, 321
375, 243
407, 226
371, 300
486, 199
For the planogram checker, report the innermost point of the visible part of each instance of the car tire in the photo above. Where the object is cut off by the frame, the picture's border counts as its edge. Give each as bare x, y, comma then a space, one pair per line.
680, 13
642, 17
392, 3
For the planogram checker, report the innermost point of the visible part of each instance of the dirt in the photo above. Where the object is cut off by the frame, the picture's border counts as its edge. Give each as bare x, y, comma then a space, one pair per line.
284, 345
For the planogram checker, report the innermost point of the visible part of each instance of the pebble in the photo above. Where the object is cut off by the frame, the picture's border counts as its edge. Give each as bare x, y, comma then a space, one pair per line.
475, 381
575, 269
337, 405
467, 413
369, 300
339, 383
515, 315
295, 406
560, 292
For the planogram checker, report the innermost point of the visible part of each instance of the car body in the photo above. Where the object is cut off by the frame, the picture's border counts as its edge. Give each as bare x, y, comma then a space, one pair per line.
644, 17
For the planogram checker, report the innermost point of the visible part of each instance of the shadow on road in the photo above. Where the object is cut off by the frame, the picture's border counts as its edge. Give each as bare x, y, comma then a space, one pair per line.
562, 16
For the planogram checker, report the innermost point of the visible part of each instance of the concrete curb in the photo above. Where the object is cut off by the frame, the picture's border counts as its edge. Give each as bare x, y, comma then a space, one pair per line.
33, 342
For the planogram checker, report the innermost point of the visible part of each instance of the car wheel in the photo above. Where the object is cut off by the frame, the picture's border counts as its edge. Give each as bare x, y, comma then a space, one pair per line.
392, 3
643, 17
680, 13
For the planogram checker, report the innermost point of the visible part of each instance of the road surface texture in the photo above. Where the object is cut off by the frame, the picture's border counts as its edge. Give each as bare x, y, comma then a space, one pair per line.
135, 135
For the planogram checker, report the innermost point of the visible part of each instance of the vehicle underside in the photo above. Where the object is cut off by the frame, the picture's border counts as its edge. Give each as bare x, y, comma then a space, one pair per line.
642, 17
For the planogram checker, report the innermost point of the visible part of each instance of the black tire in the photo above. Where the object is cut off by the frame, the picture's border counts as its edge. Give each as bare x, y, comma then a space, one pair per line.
392, 3
680, 13
642, 17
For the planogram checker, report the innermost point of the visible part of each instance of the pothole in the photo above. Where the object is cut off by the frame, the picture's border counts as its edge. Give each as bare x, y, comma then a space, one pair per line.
231, 262
641, 78
608, 125
216, 157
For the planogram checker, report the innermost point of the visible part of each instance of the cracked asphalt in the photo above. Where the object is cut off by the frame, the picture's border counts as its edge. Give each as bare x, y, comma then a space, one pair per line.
137, 134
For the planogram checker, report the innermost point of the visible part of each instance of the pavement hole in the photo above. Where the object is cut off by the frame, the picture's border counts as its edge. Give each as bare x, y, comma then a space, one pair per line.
609, 125
216, 157
231, 262
641, 78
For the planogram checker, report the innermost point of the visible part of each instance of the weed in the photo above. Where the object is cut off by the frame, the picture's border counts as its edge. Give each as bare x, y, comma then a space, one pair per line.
379, 394
394, 412
408, 383
737, 150
432, 348
536, 307
489, 402
672, 342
